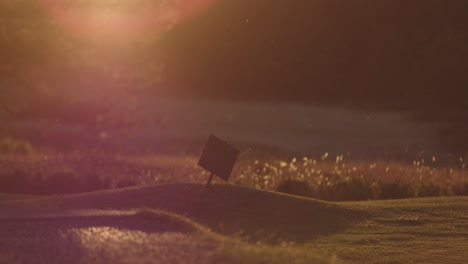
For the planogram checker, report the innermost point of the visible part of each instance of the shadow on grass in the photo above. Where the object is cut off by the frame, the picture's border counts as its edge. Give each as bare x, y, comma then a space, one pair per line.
149, 221
227, 209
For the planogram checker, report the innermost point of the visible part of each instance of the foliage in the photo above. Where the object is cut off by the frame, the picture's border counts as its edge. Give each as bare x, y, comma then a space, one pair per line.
49, 72
337, 180
341, 180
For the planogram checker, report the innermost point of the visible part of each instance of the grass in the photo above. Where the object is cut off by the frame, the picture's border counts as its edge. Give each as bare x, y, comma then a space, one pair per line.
322, 177
221, 224
175, 218
141, 236
190, 214
425, 230
228, 209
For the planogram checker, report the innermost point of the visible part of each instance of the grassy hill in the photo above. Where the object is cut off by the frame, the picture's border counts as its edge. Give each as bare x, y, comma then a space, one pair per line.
227, 209
229, 224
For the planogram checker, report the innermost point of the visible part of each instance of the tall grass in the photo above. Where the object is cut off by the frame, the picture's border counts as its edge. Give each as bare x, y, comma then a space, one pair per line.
321, 177
338, 179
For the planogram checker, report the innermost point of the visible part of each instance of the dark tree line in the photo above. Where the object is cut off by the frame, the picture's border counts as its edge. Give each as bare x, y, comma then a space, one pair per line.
48, 72
388, 54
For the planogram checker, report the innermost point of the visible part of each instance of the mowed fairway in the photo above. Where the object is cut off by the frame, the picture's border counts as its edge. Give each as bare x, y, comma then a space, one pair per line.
191, 223
424, 230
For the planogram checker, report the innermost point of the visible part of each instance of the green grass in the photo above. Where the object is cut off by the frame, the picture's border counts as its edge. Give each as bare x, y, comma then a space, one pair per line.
219, 224
227, 209
425, 230
233, 224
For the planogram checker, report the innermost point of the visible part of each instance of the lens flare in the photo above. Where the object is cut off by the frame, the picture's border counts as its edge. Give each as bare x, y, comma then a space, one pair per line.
111, 21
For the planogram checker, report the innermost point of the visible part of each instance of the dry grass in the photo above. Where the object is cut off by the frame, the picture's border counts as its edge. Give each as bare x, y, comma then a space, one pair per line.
323, 177
339, 179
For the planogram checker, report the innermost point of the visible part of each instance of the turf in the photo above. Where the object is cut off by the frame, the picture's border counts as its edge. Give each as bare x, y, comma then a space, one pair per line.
227, 209
424, 230
191, 223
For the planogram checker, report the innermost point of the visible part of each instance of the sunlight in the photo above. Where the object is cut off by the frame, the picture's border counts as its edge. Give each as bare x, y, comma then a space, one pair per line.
131, 245
114, 21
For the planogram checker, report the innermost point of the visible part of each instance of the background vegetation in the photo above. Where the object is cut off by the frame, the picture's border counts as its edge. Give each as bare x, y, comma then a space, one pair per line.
327, 178
385, 55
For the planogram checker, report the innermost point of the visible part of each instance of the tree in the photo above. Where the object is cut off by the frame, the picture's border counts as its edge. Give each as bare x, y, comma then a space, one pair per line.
50, 70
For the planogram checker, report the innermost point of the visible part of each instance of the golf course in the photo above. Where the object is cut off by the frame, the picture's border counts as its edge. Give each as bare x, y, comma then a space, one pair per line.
224, 223
233, 131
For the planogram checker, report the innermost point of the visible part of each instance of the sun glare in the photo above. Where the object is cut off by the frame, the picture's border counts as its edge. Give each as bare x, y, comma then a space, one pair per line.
112, 21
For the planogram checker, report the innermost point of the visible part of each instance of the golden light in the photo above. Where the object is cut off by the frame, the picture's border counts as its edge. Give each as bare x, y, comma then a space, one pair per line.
115, 21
